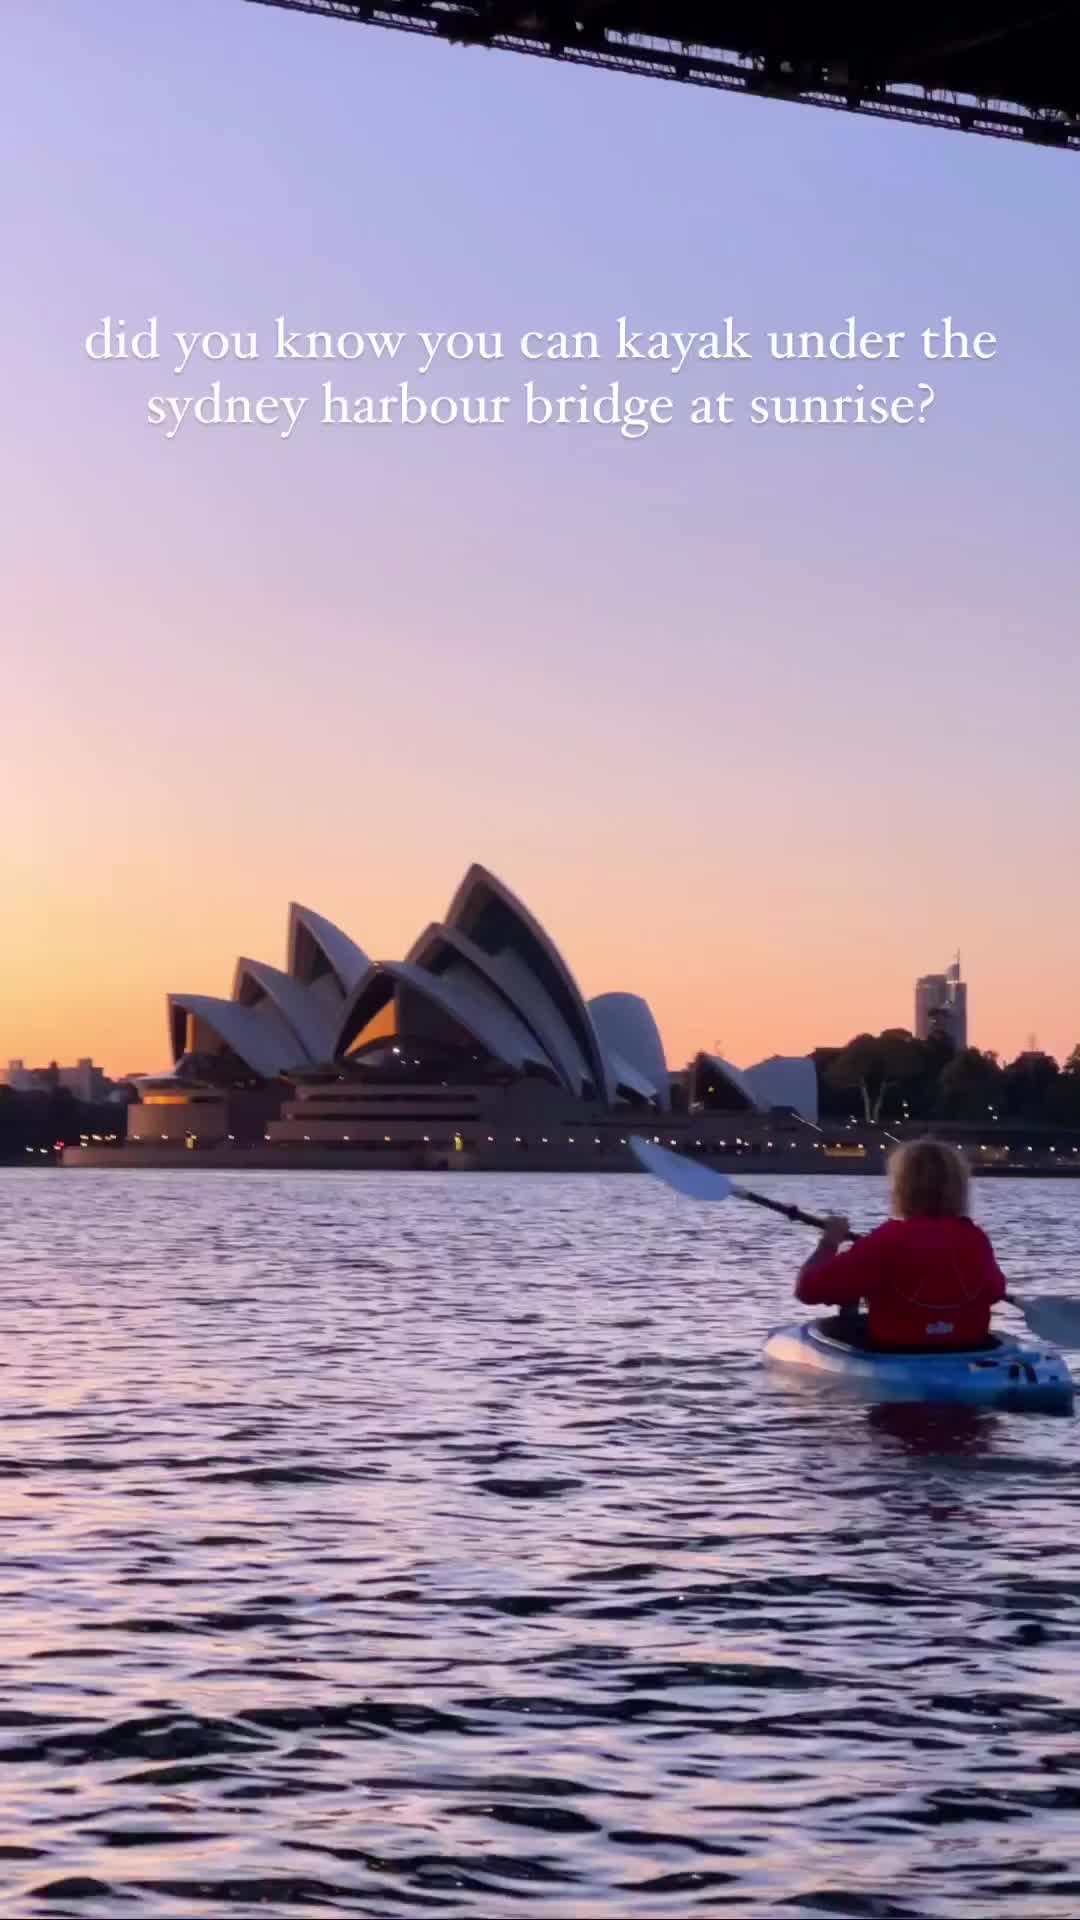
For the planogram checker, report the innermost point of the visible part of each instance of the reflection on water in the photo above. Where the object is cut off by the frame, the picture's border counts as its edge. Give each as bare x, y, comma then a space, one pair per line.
395, 1544
936, 1430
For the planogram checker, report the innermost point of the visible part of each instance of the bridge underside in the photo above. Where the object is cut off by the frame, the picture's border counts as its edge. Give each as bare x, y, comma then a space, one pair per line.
1003, 69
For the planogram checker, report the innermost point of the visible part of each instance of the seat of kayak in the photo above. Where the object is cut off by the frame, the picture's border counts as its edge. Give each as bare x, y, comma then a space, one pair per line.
852, 1330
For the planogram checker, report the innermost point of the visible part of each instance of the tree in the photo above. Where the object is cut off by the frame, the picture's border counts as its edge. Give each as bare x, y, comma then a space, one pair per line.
920, 1090
1062, 1097
971, 1087
833, 1101
1028, 1080
39, 1120
875, 1066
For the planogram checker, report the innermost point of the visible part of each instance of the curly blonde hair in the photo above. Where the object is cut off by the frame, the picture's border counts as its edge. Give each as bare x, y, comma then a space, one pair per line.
929, 1178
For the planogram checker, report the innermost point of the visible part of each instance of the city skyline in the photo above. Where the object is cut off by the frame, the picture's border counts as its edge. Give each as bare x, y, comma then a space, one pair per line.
927, 1019
760, 724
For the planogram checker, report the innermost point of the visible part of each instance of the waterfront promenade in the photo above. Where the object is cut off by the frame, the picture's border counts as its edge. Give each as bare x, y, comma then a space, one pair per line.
865, 1153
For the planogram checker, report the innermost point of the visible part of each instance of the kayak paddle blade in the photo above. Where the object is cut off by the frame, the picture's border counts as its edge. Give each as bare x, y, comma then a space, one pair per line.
1053, 1317
686, 1176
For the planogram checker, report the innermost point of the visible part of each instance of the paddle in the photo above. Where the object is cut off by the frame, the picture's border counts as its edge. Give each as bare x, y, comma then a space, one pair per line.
689, 1177
1054, 1317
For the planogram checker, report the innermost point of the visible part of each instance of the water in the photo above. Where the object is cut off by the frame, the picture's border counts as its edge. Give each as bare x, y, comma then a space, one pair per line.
397, 1545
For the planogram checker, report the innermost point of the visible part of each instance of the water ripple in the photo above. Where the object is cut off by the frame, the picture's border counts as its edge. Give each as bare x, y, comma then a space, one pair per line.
394, 1545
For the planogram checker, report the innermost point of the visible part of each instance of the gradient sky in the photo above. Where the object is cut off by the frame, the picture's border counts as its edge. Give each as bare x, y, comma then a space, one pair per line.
760, 724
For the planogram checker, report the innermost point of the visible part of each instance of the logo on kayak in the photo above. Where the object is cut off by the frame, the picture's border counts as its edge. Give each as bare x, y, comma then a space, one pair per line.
940, 1326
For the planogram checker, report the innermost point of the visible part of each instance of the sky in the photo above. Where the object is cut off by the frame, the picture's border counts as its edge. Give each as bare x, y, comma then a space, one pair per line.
760, 722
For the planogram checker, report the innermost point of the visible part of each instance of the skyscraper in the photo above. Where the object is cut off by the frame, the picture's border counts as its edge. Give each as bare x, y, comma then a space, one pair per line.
941, 1006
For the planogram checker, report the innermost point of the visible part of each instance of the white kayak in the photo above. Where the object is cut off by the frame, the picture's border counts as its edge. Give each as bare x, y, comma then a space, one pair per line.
1005, 1373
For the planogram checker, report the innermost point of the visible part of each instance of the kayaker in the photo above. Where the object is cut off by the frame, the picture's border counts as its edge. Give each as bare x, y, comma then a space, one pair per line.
928, 1274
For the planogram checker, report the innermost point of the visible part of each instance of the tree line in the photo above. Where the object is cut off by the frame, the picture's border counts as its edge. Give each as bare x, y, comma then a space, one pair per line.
37, 1120
892, 1076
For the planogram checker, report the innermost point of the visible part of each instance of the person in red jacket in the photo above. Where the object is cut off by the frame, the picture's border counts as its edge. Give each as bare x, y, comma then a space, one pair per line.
928, 1275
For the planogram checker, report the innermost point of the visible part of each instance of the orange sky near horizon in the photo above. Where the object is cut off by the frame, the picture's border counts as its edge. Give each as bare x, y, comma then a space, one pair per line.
783, 978
759, 725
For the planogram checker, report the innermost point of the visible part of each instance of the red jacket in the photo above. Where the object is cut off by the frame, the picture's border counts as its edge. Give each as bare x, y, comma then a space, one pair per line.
928, 1282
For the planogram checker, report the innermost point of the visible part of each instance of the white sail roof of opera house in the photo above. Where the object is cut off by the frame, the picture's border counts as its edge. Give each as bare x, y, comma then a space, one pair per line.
319, 952
785, 1080
781, 1081
442, 948
531, 968
312, 1022
488, 976
260, 1038
276, 1021
461, 995
632, 1043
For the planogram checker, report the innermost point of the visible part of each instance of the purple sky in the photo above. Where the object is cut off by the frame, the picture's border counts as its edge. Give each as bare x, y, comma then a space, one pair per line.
760, 723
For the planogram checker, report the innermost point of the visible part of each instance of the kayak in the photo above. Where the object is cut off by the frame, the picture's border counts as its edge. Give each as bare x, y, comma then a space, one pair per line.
1003, 1373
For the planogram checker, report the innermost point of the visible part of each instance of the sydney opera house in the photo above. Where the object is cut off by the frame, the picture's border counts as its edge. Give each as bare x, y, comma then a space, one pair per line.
477, 1049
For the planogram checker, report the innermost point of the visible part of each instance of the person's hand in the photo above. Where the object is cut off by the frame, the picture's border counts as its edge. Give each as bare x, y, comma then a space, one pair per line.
835, 1231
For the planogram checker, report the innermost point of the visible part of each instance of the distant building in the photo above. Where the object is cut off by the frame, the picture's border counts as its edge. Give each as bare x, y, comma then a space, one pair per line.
941, 1007
86, 1081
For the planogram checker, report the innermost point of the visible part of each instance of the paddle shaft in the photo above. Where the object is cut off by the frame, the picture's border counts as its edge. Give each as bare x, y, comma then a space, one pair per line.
794, 1214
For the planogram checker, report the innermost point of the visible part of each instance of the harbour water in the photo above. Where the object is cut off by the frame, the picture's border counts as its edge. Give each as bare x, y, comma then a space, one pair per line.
403, 1545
